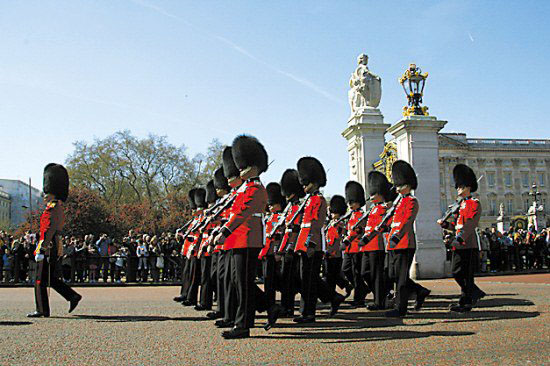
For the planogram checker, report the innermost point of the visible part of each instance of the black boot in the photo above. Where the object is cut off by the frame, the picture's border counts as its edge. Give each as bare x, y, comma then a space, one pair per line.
37, 314
335, 304
74, 303
421, 297
236, 333
272, 315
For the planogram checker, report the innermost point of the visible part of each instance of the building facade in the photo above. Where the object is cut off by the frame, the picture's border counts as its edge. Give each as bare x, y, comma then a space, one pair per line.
508, 169
5, 208
20, 202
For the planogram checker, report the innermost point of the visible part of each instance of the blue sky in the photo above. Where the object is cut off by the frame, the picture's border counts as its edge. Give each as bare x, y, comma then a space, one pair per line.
79, 70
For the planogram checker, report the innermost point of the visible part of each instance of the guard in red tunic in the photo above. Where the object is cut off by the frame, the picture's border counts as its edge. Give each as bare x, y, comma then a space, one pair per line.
181, 237
465, 247
245, 228
373, 244
49, 248
351, 266
310, 243
335, 230
232, 173
293, 191
402, 240
276, 203
195, 238
218, 264
205, 259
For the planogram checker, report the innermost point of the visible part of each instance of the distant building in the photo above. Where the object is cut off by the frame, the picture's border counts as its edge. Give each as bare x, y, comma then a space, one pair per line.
18, 192
508, 167
5, 207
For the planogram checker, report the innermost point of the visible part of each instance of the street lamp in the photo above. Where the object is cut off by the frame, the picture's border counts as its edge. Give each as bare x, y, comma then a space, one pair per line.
413, 81
534, 192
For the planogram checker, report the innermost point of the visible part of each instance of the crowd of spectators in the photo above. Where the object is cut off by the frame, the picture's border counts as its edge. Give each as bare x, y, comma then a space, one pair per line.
144, 258
134, 258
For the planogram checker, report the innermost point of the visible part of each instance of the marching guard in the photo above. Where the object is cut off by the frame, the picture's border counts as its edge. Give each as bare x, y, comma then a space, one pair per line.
49, 248
351, 266
181, 237
465, 246
402, 240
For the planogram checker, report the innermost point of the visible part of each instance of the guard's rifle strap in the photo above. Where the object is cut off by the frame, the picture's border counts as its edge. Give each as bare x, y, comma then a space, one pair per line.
343, 218
362, 219
453, 209
227, 202
300, 209
388, 215
281, 220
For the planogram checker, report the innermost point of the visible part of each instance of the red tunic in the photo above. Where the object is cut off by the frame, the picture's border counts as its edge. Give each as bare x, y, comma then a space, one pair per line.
315, 213
376, 214
289, 236
334, 239
269, 242
354, 236
51, 222
468, 219
246, 219
402, 223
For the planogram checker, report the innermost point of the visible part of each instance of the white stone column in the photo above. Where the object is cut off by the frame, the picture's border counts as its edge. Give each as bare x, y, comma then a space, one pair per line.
416, 138
365, 135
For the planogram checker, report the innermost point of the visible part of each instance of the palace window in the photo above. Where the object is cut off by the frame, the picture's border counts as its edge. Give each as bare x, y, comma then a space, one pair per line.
541, 179
525, 179
508, 179
510, 206
492, 206
491, 179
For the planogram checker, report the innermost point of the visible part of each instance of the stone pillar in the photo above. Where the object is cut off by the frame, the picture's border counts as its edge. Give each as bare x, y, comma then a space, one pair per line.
365, 135
416, 138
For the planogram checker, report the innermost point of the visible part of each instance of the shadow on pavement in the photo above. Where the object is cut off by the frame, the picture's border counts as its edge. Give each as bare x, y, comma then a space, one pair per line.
133, 318
10, 324
484, 303
475, 315
364, 335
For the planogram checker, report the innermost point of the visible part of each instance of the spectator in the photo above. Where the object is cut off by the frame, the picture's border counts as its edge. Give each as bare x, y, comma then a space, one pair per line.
142, 255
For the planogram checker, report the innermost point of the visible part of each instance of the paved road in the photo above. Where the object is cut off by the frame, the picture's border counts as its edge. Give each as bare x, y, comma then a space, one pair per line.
142, 326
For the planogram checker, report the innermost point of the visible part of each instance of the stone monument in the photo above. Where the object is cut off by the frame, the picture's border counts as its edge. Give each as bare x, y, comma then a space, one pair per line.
366, 128
503, 222
416, 139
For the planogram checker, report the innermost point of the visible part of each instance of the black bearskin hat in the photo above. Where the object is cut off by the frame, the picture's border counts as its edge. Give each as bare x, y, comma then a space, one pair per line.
392, 195
378, 184
200, 197
211, 195
402, 173
248, 152
290, 184
191, 200
274, 194
56, 181
220, 181
355, 193
464, 176
337, 205
229, 168
310, 170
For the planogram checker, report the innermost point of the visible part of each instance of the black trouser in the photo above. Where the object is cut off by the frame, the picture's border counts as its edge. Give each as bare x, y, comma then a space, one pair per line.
206, 282
268, 271
184, 277
46, 273
372, 270
230, 293
214, 274
220, 281
289, 266
104, 267
400, 262
334, 274
245, 262
310, 268
194, 279
351, 266
463, 263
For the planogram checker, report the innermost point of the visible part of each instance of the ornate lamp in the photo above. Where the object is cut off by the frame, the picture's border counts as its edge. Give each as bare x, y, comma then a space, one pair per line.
534, 192
413, 81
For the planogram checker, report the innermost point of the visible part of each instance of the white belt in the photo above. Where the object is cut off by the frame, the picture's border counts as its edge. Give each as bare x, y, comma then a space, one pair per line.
305, 225
395, 224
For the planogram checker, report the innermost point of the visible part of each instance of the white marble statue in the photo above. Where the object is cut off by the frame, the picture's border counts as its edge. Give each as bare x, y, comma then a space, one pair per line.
366, 87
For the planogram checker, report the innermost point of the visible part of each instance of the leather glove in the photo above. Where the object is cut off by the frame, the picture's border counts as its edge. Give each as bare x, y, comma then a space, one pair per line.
39, 257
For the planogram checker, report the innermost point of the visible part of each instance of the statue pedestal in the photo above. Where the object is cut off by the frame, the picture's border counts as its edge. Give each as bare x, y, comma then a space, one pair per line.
503, 224
365, 135
416, 138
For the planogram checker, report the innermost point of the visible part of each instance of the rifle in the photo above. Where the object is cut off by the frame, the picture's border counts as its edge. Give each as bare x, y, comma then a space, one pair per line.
452, 209
300, 209
343, 218
388, 215
361, 219
281, 221
221, 207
